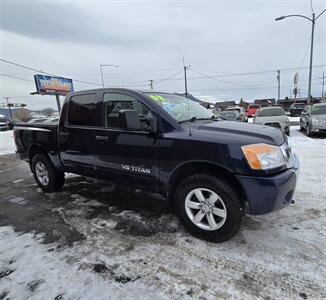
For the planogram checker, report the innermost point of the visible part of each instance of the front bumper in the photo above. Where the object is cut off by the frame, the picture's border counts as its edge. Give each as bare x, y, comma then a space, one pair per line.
320, 127
266, 194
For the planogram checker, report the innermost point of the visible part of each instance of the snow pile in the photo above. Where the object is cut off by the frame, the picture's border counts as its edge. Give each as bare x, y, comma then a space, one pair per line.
7, 144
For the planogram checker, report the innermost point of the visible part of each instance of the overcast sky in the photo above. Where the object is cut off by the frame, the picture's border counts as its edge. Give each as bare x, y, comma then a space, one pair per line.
147, 40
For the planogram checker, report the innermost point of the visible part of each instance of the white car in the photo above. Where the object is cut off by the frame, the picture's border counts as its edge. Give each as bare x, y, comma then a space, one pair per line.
240, 110
273, 116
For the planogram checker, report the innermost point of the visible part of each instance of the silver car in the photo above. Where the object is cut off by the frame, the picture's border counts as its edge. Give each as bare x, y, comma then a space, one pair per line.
4, 126
313, 119
273, 116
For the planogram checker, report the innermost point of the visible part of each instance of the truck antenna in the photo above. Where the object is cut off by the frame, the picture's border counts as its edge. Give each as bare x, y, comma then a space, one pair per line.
185, 68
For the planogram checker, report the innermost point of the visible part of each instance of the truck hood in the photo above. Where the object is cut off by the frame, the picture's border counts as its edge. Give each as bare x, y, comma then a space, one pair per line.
236, 132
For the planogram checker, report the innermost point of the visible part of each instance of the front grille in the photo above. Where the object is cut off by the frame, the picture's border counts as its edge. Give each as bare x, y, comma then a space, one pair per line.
274, 124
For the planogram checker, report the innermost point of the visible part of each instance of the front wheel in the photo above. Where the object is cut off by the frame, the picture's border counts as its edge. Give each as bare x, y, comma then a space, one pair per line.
209, 207
47, 177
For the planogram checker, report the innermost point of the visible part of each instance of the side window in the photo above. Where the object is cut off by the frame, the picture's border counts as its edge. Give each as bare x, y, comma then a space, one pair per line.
113, 103
82, 110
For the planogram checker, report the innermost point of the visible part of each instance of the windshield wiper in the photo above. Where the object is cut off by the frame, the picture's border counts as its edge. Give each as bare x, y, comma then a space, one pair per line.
193, 119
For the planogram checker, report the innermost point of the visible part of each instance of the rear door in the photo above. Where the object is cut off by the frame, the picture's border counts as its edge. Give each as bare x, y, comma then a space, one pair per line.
77, 134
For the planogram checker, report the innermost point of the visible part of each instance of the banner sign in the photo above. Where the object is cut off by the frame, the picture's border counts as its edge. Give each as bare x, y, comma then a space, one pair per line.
52, 85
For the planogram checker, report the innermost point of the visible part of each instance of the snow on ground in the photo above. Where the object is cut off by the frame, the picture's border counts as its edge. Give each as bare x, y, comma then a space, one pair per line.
41, 274
7, 144
276, 256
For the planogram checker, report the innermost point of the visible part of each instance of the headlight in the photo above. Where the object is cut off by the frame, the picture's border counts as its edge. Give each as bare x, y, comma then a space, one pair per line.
315, 121
263, 156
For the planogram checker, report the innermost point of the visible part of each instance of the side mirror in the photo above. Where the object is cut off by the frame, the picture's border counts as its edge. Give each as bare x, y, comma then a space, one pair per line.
129, 119
152, 124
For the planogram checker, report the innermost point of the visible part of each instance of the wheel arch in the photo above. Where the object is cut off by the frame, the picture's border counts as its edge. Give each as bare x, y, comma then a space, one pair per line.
52, 156
190, 168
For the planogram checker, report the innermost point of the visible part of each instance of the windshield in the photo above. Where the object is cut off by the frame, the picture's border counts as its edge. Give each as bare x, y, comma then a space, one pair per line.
275, 111
318, 110
177, 107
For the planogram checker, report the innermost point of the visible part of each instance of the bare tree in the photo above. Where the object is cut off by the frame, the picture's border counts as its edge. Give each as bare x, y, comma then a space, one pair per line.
48, 111
23, 114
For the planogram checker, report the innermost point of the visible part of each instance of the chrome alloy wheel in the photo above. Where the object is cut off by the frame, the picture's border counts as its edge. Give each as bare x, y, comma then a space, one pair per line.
42, 173
205, 209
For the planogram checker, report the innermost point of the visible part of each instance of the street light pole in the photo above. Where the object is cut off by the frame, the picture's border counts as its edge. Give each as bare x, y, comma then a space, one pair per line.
313, 21
278, 85
311, 55
101, 68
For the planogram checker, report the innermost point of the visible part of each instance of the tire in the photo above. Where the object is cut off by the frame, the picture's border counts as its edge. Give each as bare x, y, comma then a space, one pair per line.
52, 179
230, 210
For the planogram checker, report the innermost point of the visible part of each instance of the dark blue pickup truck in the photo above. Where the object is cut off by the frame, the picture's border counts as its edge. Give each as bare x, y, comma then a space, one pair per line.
212, 171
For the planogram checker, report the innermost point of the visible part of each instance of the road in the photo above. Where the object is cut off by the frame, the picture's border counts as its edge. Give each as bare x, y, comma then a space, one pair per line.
96, 240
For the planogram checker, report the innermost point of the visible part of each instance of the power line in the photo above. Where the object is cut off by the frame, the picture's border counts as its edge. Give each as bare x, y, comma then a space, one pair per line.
259, 72
224, 81
43, 72
15, 77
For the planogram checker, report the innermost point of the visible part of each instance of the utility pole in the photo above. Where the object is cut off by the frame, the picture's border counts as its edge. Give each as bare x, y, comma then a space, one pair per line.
9, 106
57, 98
323, 88
151, 83
278, 84
186, 86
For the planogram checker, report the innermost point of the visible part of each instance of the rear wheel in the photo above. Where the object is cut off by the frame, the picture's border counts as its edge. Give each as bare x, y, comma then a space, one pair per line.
48, 178
208, 207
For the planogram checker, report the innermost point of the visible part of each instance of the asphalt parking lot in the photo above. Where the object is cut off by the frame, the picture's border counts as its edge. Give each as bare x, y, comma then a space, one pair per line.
94, 239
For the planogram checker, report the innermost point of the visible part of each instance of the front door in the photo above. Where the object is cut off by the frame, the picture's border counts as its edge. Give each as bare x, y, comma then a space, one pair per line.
125, 156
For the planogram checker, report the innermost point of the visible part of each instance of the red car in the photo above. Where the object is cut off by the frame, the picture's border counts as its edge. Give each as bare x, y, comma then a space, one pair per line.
252, 108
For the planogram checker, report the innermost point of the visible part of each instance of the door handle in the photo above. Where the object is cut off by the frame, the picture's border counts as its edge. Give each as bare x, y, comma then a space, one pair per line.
63, 133
102, 138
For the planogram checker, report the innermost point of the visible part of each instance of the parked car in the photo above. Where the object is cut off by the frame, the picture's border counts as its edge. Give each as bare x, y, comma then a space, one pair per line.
229, 115
252, 108
296, 109
4, 126
313, 119
273, 116
240, 110
211, 172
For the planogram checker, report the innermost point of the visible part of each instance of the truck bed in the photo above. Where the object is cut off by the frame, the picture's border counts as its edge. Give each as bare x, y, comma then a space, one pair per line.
28, 135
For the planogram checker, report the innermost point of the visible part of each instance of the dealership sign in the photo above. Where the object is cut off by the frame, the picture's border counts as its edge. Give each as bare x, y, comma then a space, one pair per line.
52, 85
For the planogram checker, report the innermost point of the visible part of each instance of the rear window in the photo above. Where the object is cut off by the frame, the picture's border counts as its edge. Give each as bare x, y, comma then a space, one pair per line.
276, 111
299, 105
255, 106
82, 110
